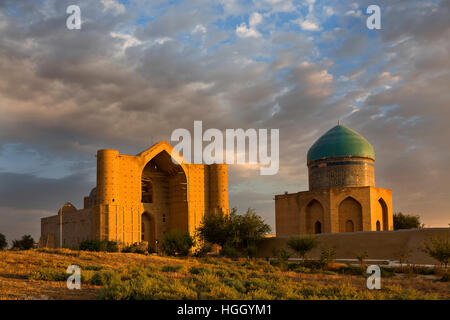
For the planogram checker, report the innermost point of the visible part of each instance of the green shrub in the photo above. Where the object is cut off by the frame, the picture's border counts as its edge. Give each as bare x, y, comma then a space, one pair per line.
222, 274
439, 249
313, 264
230, 252
170, 268
138, 248
327, 255
25, 243
349, 269
92, 267
104, 277
98, 246
299, 268
423, 270
361, 257
445, 277
387, 272
236, 284
302, 244
200, 270
203, 250
282, 258
3, 242
220, 291
177, 243
144, 288
48, 275
202, 284
132, 272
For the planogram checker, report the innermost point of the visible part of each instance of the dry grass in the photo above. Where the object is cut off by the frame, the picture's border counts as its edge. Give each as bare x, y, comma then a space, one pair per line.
16, 267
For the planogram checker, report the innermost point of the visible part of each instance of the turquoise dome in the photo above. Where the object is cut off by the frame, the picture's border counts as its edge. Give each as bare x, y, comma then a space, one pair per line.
340, 141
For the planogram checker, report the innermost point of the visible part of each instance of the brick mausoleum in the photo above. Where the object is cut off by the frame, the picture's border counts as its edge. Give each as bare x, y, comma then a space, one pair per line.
139, 198
342, 196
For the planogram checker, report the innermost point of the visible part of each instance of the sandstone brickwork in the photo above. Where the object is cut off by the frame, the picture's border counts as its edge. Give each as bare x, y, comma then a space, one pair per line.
139, 198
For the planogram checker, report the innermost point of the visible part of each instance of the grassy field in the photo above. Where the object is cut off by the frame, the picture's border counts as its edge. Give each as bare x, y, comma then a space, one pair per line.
40, 274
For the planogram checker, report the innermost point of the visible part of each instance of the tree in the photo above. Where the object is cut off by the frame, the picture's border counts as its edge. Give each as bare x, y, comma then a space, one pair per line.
233, 231
26, 243
247, 229
406, 221
3, 242
215, 228
177, 243
327, 255
362, 257
439, 249
302, 244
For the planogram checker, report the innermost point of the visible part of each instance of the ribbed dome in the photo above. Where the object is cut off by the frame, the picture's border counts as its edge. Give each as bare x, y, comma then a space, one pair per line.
340, 141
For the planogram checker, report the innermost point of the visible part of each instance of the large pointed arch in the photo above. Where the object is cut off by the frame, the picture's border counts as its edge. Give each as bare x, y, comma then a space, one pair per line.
161, 147
350, 214
164, 176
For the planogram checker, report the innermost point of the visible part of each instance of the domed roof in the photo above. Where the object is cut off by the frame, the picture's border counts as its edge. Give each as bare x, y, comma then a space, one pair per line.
340, 141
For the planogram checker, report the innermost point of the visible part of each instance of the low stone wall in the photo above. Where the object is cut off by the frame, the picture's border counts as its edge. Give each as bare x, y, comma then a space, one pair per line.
384, 245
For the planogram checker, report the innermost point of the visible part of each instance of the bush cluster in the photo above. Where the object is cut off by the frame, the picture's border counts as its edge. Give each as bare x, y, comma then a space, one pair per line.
141, 248
237, 234
25, 243
99, 245
238, 280
177, 243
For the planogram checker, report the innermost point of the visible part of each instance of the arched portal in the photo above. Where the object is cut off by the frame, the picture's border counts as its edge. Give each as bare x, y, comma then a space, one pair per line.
378, 225
314, 214
164, 194
350, 210
317, 227
148, 228
384, 214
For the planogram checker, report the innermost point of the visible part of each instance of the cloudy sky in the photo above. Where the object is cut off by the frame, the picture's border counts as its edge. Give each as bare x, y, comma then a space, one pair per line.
139, 69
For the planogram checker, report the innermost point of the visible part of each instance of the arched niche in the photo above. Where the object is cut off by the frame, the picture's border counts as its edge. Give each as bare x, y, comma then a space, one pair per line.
314, 213
384, 213
350, 210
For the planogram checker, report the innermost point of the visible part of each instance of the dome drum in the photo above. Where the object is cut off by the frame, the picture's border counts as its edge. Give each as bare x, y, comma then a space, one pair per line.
341, 158
341, 172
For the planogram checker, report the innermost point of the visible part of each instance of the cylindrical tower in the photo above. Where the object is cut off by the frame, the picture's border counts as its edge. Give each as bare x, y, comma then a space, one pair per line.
218, 181
107, 176
341, 158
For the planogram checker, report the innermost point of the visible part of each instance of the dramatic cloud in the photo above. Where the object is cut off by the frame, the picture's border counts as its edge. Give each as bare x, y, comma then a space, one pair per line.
139, 69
